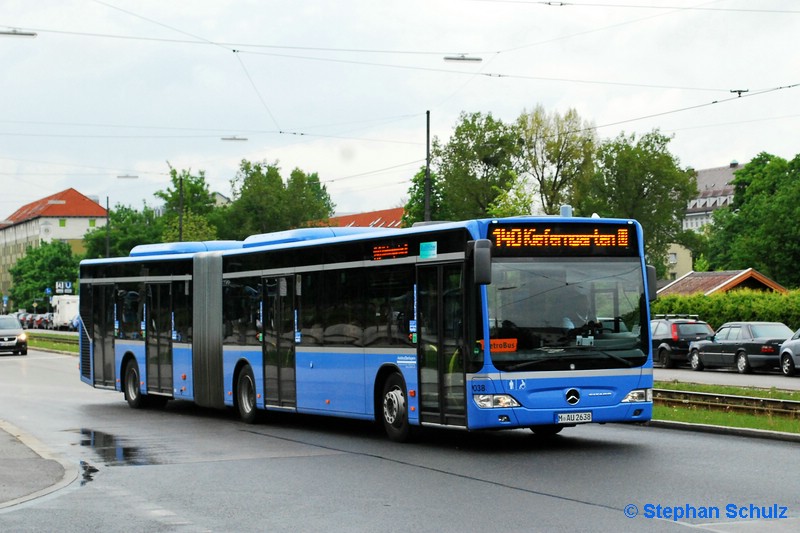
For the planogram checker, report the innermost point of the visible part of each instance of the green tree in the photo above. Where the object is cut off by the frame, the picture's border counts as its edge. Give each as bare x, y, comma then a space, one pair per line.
194, 227
641, 179
197, 197
557, 155
697, 244
263, 203
38, 270
760, 229
128, 228
414, 210
190, 193
258, 201
307, 200
474, 166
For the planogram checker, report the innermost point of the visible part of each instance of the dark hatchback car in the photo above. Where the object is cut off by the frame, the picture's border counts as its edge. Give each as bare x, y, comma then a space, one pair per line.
12, 337
741, 345
671, 335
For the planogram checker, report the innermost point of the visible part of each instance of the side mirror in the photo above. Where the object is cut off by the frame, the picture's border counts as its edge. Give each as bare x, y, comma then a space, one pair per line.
482, 261
652, 283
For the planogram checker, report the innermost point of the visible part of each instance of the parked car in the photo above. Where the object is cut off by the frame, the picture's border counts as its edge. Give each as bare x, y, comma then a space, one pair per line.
790, 355
23, 319
12, 337
741, 345
39, 321
671, 335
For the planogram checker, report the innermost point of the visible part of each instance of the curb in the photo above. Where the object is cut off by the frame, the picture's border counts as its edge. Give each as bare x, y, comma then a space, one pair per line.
725, 430
70, 470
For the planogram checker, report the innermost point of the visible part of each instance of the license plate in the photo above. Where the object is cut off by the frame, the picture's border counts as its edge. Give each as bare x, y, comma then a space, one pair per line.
12, 343
574, 418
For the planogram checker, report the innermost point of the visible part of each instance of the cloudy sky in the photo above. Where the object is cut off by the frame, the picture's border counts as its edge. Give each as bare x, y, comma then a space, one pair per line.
121, 87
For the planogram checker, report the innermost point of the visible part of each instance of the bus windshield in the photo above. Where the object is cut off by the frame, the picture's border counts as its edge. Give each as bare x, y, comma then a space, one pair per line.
566, 314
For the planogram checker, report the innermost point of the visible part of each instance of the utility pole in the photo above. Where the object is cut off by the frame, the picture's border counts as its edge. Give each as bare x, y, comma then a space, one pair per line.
108, 230
180, 208
427, 166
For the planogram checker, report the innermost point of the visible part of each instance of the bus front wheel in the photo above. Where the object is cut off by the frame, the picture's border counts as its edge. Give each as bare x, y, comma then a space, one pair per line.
246, 395
395, 409
133, 395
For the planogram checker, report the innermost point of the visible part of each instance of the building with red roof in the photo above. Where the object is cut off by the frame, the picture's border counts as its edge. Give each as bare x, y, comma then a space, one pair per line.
385, 218
65, 216
721, 281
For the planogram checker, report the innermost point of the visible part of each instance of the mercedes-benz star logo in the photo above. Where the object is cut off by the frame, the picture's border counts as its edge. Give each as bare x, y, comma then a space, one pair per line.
573, 396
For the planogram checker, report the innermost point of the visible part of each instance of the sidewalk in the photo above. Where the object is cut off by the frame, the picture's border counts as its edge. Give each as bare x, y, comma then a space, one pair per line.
26, 469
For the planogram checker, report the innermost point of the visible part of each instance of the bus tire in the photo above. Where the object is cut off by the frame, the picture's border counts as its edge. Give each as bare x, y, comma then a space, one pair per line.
130, 385
246, 395
395, 409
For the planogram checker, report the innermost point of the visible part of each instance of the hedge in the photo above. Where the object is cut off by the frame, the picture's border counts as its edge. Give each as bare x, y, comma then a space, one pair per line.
740, 304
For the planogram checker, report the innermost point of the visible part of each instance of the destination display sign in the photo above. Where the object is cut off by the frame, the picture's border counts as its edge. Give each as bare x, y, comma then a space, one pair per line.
385, 251
564, 239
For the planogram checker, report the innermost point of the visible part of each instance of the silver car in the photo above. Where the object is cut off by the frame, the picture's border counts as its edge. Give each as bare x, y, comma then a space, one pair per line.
790, 354
12, 338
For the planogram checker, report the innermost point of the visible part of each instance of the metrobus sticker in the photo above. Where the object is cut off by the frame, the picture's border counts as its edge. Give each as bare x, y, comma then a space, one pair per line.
501, 345
410, 360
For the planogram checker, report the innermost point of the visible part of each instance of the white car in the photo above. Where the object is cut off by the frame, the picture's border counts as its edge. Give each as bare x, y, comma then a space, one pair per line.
790, 354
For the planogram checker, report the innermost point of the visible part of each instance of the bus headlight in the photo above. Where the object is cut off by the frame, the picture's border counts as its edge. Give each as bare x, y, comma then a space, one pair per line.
639, 395
492, 401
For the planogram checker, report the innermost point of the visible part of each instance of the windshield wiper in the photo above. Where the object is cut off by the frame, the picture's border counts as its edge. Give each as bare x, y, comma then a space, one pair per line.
607, 354
535, 362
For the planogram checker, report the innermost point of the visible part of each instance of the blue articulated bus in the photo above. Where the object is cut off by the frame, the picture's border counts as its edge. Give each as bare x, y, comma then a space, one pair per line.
525, 322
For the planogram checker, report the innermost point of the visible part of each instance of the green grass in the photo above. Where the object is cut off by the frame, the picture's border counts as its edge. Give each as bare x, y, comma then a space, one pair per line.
696, 415
50, 341
727, 419
773, 393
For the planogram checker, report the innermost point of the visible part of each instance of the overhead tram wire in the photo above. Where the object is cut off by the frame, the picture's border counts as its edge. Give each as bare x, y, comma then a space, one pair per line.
303, 134
689, 108
489, 74
637, 6
255, 89
172, 28
371, 172
214, 132
241, 50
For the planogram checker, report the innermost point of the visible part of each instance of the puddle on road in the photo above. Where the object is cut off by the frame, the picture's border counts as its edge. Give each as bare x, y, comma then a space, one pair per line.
113, 450
87, 473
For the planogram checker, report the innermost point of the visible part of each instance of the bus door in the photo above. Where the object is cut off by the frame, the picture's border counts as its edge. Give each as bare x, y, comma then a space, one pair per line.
101, 330
279, 326
158, 337
440, 347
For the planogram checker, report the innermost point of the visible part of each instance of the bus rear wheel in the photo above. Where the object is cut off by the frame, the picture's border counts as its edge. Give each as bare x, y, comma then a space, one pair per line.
395, 409
133, 395
246, 395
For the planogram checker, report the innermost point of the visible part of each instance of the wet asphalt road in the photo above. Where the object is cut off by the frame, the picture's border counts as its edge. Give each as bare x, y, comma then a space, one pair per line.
190, 469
